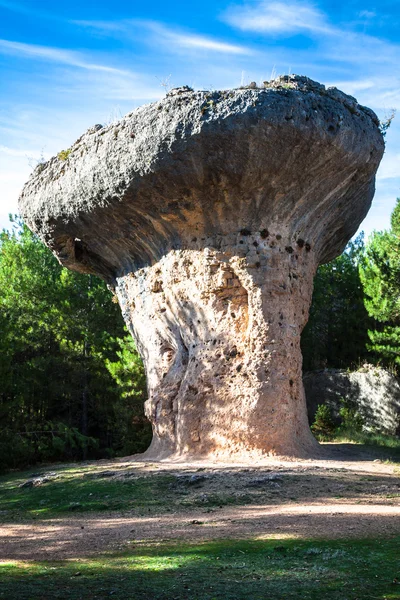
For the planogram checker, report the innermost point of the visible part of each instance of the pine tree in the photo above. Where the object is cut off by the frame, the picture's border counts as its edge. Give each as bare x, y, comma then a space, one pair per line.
380, 276
337, 331
60, 331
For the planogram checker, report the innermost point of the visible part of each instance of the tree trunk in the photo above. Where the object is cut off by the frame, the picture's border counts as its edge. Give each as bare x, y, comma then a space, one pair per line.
85, 392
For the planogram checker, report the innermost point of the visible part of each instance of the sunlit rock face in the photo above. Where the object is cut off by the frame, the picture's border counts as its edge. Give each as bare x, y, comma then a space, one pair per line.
208, 213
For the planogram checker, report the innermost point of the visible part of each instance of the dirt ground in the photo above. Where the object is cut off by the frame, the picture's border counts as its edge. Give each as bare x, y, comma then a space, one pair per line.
348, 493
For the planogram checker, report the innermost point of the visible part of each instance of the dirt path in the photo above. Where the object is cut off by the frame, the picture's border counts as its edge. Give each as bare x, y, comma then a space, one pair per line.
83, 537
329, 498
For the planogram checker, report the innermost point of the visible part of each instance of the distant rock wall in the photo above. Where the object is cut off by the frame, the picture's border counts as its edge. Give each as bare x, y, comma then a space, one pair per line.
375, 391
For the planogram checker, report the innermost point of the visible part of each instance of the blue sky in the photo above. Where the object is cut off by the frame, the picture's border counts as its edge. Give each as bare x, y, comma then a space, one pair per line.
66, 66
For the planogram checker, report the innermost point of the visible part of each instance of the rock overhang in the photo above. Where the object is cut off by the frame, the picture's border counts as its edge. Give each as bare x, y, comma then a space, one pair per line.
292, 157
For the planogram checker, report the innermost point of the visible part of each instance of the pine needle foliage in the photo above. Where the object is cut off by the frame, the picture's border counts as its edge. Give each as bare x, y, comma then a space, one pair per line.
66, 362
380, 277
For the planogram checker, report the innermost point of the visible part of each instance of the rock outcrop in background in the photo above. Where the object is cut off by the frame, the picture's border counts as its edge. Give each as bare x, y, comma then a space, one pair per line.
208, 213
374, 391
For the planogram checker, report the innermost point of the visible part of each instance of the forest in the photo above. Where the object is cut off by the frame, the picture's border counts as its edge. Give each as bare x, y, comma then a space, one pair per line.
72, 381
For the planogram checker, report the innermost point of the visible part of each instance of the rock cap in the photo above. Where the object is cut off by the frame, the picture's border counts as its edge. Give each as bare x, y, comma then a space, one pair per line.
197, 165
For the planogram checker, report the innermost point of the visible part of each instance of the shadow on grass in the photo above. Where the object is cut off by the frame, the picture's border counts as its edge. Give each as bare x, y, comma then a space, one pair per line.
161, 493
76, 493
362, 448
225, 570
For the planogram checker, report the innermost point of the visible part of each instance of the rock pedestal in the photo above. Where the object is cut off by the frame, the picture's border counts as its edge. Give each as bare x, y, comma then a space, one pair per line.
208, 214
219, 331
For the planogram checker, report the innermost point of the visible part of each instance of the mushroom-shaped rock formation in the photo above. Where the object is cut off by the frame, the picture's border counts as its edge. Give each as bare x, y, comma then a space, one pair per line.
208, 214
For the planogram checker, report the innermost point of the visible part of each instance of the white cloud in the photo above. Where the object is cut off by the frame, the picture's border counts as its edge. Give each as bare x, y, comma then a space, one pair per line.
381, 93
12, 180
352, 87
34, 155
349, 51
58, 55
191, 40
105, 87
368, 14
378, 217
174, 39
277, 17
103, 26
340, 45
198, 41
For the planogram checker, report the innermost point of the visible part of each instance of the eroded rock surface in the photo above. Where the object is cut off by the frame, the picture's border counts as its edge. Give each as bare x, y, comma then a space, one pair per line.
208, 214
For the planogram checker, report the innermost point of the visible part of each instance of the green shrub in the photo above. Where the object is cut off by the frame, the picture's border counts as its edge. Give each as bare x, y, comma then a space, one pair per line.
323, 427
351, 420
54, 442
64, 154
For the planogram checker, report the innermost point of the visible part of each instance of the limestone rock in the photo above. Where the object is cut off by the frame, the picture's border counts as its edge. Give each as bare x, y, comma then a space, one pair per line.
373, 391
208, 214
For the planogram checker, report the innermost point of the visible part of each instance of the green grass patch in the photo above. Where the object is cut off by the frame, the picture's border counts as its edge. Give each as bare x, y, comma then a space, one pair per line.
376, 440
352, 429
226, 570
82, 489
76, 491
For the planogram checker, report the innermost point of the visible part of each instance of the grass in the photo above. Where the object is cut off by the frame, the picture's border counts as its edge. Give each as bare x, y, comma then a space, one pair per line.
228, 570
86, 489
384, 447
74, 491
256, 569
325, 431
81, 491
366, 438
